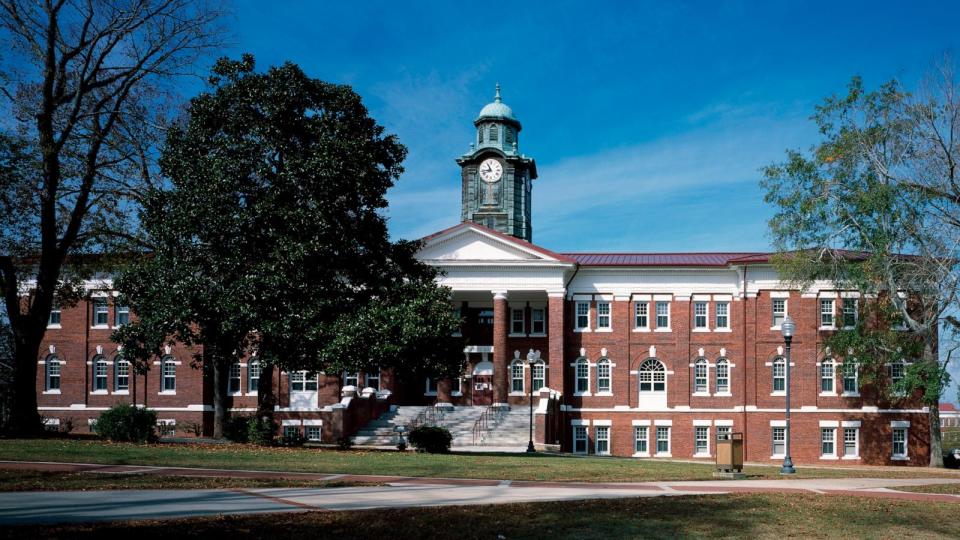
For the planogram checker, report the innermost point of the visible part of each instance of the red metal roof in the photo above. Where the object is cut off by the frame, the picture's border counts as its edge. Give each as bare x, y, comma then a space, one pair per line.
947, 407
666, 259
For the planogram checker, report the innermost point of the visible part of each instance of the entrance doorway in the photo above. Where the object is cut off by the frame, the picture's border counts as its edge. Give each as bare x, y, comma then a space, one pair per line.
482, 390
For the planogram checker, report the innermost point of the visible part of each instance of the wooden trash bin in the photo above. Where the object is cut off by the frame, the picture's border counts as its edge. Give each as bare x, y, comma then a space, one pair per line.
730, 452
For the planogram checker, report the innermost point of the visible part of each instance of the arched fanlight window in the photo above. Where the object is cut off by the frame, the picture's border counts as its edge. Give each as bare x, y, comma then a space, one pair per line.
653, 376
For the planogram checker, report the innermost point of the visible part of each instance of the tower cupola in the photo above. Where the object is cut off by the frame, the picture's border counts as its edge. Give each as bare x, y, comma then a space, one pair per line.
497, 126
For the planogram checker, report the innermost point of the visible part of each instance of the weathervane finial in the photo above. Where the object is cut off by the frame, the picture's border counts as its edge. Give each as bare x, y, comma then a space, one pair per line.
497, 96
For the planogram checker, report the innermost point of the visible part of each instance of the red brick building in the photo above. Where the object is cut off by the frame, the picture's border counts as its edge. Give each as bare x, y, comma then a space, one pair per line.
637, 354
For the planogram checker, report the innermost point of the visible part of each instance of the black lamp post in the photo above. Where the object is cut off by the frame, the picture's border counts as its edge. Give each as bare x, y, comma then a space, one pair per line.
532, 358
787, 328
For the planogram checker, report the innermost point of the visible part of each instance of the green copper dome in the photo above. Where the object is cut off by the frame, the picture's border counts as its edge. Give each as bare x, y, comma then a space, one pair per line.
498, 110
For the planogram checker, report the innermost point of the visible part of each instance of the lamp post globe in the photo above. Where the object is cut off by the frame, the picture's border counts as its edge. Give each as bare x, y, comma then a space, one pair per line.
532, 358
787, 327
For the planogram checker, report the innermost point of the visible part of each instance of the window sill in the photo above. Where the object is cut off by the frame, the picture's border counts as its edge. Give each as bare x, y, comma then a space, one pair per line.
537, 334
456, 334
601, 453
851, 457
641, 454
723, 394
456, 394
100, 327
827, 328
777, 456
663, 454
430, 394
252, 394
99, 393
700, 330
581, 330
54, 326
582, 394
167, 393
778, 394
235, 394
775, 328
702, 455
829, 458
121, 393
517, 394
512, 334
641, 330
850, 394
608, 394
664, 329
700, 394
580, 453
725, 330
900, 458
849, 327
604, 330
828, 394
51, 392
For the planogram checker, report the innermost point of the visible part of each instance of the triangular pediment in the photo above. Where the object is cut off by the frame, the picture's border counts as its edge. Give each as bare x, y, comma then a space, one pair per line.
472, 242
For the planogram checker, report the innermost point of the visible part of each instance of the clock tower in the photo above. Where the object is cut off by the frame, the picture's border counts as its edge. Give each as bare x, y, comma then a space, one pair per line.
497, 180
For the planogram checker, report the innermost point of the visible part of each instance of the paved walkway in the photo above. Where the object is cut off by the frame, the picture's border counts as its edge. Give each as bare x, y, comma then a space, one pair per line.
398, 492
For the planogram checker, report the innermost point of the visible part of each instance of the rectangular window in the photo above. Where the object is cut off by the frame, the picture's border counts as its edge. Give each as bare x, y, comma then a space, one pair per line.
826, 377
291, 432
301, 381
900, 442
723, 432
640, 439
431, 385
827, 442
701, 443
538, 321
121, 315
253, 377
849, 312
579, 439
351, 379
516, 321
641, 315
166, 428
602, 434
663, 314
55, 314
603, 315
373, 380
779, 310
233, 384
723, 314
826, 313
779, 441
455, 386
583, 315
850, 384
663, 439
485, 316
700, 315
313, 433
100, 312
851, 447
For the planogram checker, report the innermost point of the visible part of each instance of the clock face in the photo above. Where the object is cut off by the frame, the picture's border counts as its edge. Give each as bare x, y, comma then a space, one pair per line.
490, 170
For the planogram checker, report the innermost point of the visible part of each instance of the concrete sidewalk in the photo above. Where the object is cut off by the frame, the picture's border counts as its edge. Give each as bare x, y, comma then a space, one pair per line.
399, 492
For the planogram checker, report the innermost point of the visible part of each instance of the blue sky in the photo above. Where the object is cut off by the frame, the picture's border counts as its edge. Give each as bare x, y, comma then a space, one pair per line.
649, 121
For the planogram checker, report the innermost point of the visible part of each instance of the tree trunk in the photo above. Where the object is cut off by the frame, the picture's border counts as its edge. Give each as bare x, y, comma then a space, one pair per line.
24, 418
266, 400
936, 437
221, 374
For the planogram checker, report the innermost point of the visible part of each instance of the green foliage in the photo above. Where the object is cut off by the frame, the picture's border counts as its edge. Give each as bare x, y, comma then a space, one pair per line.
127, 423
431, 439
260, 431
345, 443
237, 429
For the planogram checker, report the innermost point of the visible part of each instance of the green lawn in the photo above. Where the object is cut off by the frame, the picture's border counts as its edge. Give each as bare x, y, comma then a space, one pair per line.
17, 480
495, 466
743, 516
952, 489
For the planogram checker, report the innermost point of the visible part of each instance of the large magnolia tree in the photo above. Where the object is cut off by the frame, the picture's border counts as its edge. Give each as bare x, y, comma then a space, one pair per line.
271, 240
83, 88
873, 208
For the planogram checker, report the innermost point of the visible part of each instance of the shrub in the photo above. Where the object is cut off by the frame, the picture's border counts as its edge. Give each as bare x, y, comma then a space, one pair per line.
193, 428
260, 431
431, 439
290, 440
345, 443
236, 429
125, 422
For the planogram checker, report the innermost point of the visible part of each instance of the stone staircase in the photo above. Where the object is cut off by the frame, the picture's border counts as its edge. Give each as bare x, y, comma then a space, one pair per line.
510, 428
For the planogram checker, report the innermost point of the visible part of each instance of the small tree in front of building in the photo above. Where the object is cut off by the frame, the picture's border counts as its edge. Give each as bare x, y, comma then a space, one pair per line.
272, 240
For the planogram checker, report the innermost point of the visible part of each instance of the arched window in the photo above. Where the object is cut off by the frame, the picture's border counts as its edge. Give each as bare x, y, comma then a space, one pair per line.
494, 136
507, 135
851, 384
653, 376
53, 373
121, 374
603, 375
253, 376
539, 375
479, 135
779, 374
723, 376
701, 376
583, 375
827, 371
100, 372
233, 383
516, 376
168, 374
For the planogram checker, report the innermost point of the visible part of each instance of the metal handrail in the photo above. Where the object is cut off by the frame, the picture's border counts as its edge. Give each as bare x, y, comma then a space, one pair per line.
429, 416
490, 417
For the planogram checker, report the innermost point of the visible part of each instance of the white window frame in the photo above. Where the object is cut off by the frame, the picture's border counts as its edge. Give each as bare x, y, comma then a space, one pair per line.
828, 435
165, 424
372, 376
701, 316
119, 311
168, 375
538, 375
778, 435
53, 369
665, 315
722, 369
578, 430
604, 364
581, 372
235, 389
118, 365
898, 428
641, 316
697, 430
518, 375
845, 303
538, 325
604, 315
777, 317
659, 431
581, 316
828, 376
848, 367
55, 310
778, 362
828, 315
100, 369
99, 302
430, 386
653, 371
856, 442
701, 377
901, 366
309, 428
253, 374
601, 434
517, 325
351, 378
722, 321
641, 434
302, 380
